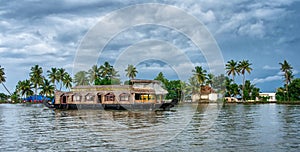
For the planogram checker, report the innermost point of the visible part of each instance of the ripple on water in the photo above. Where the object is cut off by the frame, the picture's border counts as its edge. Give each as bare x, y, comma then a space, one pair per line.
186, 128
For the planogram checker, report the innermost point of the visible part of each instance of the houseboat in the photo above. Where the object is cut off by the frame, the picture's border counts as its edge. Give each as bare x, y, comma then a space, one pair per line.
140, 94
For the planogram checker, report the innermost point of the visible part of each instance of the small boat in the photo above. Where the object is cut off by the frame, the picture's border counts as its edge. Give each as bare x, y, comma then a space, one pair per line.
141, 94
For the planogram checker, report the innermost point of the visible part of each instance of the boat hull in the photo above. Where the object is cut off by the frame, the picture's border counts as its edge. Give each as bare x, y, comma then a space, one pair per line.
136, 106
108, 106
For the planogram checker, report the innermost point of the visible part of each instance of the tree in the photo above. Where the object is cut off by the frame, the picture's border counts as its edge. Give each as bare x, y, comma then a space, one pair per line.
36, 77
47, 88
200, 74
131, 71
218, 83
53, 76
232, 68
286, 68
94, 74
210, 79
67, 81
24, 88
194, 85
294, 89
244, 66
232, 89
3, 79
105, 70
108, 75
160, 77
81, 78
61, 73
174, 89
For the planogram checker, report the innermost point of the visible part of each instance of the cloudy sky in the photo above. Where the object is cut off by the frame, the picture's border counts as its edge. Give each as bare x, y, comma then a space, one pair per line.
54, 34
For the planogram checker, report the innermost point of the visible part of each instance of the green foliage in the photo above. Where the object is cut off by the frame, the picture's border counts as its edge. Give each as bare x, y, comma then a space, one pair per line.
263, 98
131, 72
174, 89
81, 78
232, 68
15, 98
219, 83
47, 88
36, 77
200, 74
286, 68
3, 97
292, 95
160, 77
250, 92
24, 88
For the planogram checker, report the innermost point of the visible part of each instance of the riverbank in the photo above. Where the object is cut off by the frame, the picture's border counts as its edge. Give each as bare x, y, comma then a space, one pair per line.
264, 102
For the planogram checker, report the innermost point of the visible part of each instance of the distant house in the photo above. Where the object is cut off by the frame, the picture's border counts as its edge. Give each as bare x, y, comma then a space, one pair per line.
270, 96
207, 93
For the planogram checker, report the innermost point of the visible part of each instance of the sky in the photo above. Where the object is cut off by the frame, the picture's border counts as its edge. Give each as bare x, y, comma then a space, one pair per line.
171, 39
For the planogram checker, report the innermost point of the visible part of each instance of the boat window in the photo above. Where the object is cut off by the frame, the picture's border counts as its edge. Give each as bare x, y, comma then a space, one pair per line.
124, 97
76, 97
89, 97
110, 97
138, 96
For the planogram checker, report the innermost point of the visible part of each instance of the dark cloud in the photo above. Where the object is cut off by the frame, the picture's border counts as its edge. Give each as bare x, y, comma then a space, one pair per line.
49, 32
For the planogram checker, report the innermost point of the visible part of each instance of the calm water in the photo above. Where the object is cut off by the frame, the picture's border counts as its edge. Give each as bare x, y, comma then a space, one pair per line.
263, 127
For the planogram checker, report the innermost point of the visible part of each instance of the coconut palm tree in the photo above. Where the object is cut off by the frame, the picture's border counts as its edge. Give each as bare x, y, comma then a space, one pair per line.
286, 68
24, 88
36, 77
244, 66
47, 88
53, 76
106, 70
81, 78
3, 79
200, 74
61, 72
232, 68
67, 81
131, 71
94, 73
209, 79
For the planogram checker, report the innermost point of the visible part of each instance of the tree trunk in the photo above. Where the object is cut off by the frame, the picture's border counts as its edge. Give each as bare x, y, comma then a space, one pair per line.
243, 87
6, 89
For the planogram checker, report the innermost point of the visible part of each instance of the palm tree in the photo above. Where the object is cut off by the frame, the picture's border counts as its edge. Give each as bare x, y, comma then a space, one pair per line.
200, 74
3, 79
67, 81
81, 78
232, 68
131, 71
47, 88
244, 66
61, 72
286, 68
36, 77
94, 73
53, 76
24, 88
209, 79
105, 70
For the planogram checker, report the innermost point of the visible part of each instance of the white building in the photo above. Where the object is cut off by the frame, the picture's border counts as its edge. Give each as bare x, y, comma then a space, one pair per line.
272, 96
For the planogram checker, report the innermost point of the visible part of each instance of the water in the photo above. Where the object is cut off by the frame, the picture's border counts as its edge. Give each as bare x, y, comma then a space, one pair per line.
189, 127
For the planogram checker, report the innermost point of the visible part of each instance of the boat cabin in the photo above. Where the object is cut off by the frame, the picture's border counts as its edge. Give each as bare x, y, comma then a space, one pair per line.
141, 91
